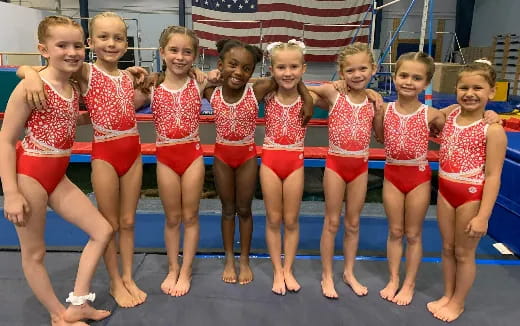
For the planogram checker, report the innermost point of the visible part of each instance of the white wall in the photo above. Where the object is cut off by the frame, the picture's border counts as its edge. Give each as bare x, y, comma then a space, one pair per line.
492, 17
19, 27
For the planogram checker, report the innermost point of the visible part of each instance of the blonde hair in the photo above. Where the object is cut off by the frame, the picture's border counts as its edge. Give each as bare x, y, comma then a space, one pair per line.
106, 14
49, 21
481, 67
351, 49
420, 57
280, 46
165, 38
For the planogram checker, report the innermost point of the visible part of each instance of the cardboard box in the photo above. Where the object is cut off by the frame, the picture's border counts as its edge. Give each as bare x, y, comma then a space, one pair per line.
445, 78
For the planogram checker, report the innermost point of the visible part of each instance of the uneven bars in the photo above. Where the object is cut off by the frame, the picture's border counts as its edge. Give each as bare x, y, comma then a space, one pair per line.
385, 5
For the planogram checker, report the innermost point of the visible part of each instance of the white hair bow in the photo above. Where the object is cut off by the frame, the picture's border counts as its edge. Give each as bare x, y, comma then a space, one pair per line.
484, 61
271, 46
299, 43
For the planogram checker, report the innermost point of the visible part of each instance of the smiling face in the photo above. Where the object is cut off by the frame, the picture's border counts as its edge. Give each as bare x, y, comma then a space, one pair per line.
287, 67
357, 70
411, 78
178, 54
108, 38
473, 91
63, 48
237, 67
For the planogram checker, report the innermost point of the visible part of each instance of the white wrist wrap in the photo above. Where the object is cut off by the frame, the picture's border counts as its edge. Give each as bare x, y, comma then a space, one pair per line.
79, 300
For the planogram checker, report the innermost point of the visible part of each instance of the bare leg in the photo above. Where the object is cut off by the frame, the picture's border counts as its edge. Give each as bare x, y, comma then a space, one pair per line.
416, 205
71, 204
334, 188
105, 183
292, 198
272, 193
191, 182
32, 245
245, 180
465, 248
393, 201
129, 197
225, 184
446, 221
169, 184
355, 200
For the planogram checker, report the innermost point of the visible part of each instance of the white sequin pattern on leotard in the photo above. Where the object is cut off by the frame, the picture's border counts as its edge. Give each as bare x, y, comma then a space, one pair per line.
52, 131
176, 113
462, 155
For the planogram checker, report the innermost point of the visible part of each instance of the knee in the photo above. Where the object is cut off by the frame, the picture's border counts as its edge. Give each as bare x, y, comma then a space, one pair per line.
395, 234
127, 222
33, 256
190, 220
292, 226
448, 251
332, 224
464, 255
244, 212
103, 233
173, 221
228, 212
413, 238
352, 227
273, 222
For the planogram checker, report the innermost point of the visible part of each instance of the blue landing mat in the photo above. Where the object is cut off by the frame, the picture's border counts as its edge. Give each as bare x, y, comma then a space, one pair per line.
149, 234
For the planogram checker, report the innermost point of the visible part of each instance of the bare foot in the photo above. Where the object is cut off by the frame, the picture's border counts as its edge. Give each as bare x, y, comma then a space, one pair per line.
278, 283
449, 312
246, 274
183, 284
121, 295
138, 294
84, 312
388, 293
434, 306
229, 275
327, 288
404, 296
169, 282
291, 282
359, 289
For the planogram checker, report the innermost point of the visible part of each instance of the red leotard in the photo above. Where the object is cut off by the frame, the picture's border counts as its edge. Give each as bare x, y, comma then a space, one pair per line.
406, 147
462, 159
176, 118
235, 124
350, 127
49, 135
282, 151
109, 100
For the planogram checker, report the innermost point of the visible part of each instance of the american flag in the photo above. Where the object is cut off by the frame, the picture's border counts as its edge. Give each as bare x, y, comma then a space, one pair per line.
261, 22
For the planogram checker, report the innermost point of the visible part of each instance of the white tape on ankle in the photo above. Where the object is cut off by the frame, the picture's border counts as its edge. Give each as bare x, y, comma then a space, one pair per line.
79, 300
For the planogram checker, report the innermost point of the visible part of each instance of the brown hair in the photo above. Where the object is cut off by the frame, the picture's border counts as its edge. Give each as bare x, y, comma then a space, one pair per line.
103, 15
49, 21
420, 57
165, 38
223, 47
351, 49
481, 68
285, 46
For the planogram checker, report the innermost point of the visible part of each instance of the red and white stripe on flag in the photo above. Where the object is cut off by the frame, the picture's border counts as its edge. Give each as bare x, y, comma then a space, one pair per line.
266, 21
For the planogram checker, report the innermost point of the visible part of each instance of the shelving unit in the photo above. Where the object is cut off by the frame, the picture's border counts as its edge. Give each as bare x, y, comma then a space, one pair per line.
506, 60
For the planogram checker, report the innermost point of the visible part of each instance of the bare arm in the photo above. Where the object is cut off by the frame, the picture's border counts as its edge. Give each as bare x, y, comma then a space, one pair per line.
378, 122
262, 87
495, 154
326, 94
34, 94
436, 120
307, 109
17, 111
